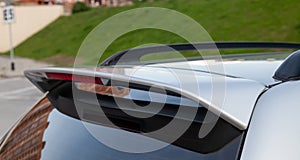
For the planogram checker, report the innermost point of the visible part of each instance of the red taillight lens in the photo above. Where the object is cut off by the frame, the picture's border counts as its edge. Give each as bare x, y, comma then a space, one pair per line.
103, 90
90, 84
76, 78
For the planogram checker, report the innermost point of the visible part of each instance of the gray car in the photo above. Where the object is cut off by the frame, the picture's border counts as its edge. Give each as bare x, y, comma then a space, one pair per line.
153, 103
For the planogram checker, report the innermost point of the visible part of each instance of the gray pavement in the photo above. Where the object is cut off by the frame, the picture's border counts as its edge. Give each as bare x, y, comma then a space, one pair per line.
17, 94
21, 64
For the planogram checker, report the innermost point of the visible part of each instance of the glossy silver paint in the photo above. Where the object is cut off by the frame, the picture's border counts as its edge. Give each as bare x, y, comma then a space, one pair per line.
238, 101
257, 70
274, 129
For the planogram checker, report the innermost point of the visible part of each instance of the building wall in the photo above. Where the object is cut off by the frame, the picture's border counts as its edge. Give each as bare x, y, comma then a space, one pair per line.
115, 3
28, 21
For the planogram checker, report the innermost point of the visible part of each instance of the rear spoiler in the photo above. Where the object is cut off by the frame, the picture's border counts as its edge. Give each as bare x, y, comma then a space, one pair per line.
49, 78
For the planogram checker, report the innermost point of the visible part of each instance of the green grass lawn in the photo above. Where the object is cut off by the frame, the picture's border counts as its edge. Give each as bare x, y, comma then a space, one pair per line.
230, 20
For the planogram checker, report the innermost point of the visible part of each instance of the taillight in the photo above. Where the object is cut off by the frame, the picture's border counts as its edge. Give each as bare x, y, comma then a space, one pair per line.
103, 90
90, 84
76, 78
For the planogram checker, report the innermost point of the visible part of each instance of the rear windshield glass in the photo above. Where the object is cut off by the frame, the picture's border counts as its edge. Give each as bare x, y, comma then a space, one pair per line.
67, 138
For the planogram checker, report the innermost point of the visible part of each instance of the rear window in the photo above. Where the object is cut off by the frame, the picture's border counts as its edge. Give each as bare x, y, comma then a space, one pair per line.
46, 133
67, 138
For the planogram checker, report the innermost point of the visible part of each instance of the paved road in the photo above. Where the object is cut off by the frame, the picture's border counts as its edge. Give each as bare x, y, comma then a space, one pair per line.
21, 64
17, 95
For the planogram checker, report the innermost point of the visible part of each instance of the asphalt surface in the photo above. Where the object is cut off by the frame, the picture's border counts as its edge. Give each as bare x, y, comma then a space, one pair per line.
21, 64
17, 95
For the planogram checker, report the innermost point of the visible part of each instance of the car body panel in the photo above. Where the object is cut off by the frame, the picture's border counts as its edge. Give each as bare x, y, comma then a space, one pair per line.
274, 130
259, 70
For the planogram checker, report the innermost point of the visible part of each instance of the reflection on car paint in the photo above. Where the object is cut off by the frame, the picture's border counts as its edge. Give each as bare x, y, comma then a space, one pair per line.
25, 141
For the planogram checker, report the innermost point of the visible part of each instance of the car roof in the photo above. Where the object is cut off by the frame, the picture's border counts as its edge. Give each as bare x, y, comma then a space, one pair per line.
248, 63
261, 71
